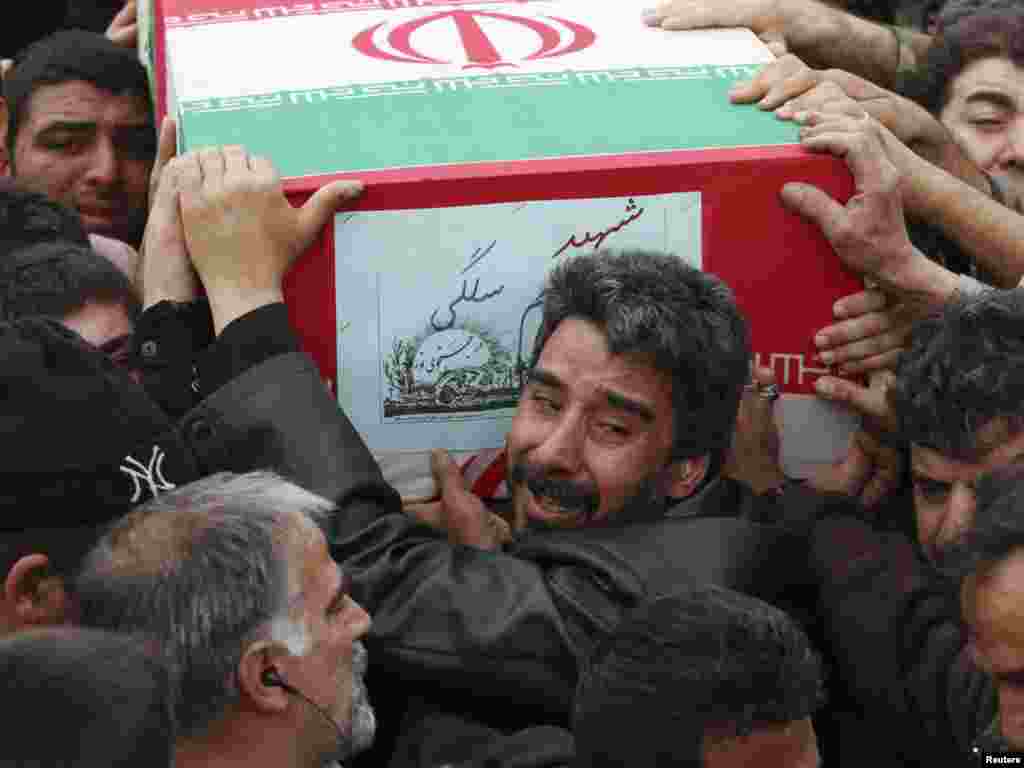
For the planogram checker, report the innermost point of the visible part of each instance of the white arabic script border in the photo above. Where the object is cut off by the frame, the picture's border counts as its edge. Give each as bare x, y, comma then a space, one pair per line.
434, 86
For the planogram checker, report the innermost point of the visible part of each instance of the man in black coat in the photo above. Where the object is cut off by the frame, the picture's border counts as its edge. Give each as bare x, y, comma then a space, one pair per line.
615, 458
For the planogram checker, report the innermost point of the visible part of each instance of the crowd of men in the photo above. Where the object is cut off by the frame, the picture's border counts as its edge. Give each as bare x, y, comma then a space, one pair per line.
202, 564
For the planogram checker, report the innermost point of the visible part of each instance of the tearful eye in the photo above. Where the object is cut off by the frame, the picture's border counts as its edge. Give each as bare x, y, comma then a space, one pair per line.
931, 490
545, 403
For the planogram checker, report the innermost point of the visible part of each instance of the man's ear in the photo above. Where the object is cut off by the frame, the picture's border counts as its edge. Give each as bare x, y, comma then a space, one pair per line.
256, 673
682, 477
33, 595
5, 160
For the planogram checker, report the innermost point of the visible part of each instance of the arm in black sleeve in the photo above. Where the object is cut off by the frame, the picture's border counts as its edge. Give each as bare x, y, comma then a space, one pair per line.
167, 338
246, 342
181, 362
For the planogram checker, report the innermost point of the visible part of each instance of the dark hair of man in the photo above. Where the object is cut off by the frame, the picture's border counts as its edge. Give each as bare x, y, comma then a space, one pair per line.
54, 279
952, 12
65, 56
200, 571
75, 697
984, 35
685, 670
655, 308
962, 369
27, 218
997, 530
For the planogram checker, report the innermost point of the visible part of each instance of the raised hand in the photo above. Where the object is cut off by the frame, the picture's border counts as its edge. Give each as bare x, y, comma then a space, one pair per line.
241, 232
124, 29
459, 512
767, 18
870, 332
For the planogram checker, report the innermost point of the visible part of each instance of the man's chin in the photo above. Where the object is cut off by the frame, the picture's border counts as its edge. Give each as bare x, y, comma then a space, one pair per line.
363, 721
114, 227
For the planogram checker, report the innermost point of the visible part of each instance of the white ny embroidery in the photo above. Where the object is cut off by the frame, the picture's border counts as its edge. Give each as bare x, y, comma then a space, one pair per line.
152, 474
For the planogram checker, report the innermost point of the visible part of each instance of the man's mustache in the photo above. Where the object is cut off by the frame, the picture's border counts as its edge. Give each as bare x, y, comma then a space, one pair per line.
581, 498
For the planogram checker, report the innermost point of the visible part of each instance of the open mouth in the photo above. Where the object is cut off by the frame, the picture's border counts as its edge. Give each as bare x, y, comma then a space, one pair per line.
548, 510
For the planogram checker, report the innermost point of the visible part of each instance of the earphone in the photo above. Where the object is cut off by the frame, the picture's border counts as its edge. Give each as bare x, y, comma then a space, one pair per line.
272, 679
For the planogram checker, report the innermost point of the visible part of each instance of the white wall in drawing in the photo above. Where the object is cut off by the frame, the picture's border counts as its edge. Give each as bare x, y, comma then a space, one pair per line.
438, 308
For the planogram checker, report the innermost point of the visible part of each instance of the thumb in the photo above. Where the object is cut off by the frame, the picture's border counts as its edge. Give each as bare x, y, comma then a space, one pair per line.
447, 476
465, 517
325, 202
166, 150
871, 402
811, 203
865, 400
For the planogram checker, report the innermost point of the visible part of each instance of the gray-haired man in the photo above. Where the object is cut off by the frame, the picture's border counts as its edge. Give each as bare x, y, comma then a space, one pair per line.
231, 577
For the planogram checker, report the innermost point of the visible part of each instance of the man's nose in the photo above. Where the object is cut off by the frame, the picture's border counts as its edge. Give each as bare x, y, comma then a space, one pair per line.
1011, 155
562, 450
104, 164
959, 512
359, 619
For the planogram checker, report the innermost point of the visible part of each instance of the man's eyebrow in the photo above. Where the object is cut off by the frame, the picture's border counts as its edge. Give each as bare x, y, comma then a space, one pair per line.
998, 98
544, 378
629, 405
68, 126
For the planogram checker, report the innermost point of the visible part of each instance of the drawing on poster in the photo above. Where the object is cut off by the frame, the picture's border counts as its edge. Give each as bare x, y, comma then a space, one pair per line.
455, 327
457, 365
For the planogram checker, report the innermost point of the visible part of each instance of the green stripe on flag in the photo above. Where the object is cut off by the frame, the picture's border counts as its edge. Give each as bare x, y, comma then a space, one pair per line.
491, 118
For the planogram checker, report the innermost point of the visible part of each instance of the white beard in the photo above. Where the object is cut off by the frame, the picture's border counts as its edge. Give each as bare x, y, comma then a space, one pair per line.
364, 720
356, 735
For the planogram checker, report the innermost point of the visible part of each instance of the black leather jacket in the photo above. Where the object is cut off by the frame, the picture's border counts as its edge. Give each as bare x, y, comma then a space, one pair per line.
487, 628
487, 625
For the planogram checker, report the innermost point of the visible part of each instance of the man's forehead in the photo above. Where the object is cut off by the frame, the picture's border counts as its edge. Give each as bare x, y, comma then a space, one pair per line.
995, 76
78, 100
996, 445
576, 356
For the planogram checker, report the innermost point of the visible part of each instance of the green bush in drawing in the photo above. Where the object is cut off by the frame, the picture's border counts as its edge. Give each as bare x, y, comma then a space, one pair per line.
398, 366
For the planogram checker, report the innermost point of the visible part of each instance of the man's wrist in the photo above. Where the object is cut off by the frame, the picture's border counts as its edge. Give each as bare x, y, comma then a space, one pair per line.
229, 303
812, 30
179, 287
173, 294
921, 282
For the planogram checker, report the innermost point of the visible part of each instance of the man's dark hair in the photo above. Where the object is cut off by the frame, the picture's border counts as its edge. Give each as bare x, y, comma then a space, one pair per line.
982, 35
100, 699
27, 218
953, 12
962, 369
686, 669
997, 531
54, 279
654, 307
65, 56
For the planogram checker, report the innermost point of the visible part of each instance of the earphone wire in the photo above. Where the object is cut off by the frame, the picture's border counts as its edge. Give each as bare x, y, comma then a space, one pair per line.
291, 689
